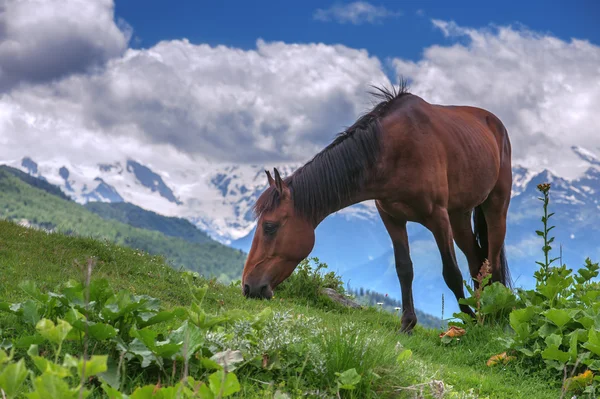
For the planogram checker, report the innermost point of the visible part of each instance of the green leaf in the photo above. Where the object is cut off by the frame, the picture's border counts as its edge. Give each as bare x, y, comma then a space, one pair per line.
148, 318
27, 341
348, 379
12, 377
553, 340
593, 344
553, 353
31, 289
403, 356
101, 331
51, 386
210, 364
53, 333
140, 350
113, 393
560, 317
31, 314
222, 384
573, 347
93, 366
190, 337
228, 359
496, 298
47, 366
112, 375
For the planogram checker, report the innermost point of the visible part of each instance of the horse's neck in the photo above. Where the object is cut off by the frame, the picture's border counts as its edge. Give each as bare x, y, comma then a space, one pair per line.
364, 195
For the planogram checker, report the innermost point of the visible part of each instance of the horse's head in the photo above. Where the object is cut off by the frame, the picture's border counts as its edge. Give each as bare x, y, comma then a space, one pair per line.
282, 240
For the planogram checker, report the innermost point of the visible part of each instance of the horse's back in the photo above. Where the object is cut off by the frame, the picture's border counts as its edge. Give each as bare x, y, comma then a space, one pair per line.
457, 152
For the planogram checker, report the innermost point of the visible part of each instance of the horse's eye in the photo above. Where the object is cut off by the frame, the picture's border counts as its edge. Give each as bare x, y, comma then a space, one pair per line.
270, 228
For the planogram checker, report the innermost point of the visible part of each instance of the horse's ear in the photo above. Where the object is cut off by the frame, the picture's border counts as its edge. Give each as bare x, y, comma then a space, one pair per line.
271, 181
279, 184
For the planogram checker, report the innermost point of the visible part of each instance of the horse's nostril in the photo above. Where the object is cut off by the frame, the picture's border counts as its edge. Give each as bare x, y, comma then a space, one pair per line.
264, 291
246, 289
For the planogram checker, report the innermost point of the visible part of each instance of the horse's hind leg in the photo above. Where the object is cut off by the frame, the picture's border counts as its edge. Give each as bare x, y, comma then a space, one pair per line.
466, 241
439, 224
495, 210
404, 267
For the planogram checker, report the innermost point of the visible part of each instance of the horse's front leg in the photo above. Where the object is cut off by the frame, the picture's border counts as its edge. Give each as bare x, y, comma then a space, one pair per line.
404, 267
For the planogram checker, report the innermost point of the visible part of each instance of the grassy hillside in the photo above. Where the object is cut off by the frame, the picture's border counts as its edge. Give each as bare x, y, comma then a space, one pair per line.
40, 206
287, 347
138, 217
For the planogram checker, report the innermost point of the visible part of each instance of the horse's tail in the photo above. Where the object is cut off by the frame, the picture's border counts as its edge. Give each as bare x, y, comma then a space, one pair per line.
481, 235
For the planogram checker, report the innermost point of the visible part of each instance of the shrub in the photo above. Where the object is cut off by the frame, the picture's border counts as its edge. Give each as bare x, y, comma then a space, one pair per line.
307, 282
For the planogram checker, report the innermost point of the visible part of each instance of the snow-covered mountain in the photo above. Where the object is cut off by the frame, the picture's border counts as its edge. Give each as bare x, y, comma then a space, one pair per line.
219, 199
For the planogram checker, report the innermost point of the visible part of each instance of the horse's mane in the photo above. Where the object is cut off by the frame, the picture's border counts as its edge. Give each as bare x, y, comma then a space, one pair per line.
339, 170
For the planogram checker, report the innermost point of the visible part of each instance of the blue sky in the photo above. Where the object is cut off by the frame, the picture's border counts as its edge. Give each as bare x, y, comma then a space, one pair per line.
241, 23
274, 81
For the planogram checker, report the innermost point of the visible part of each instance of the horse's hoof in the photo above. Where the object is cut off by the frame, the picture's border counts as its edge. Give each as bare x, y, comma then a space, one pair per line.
407, 327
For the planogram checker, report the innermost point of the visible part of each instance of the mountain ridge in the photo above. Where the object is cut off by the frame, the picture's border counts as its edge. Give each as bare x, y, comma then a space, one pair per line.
218, 199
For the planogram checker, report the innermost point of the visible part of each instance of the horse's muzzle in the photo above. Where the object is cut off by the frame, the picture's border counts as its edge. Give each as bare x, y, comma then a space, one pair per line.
258, 291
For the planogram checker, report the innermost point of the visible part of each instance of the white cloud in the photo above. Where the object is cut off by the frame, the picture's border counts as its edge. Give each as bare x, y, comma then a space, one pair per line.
42, 40
283, 102
278, 102
545, 90
356, 13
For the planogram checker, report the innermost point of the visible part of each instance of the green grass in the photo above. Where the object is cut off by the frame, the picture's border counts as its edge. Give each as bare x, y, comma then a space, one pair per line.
323, 340
42, 205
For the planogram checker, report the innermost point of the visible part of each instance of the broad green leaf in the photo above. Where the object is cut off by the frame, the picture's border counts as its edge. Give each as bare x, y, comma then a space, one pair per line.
53, 333
27, 341
228, 359
146, 356
553, 340
145, 392
210, 364
113, 393
496, 298
519, 320
190, 337
593, 344
150, 318
167, 349
560, 317
47, 366
403, 356
112, 375
100, 291
93, 366
50, 386
547, 329
4, 358
12, 377
553, 353
526, 352
348, 379
31, 312
31, 289
573, 346
223, 384
101, 331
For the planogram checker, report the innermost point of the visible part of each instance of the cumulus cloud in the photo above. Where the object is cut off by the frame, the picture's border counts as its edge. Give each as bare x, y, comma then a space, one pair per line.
278, 102
545, 90
283, 102
43, 40
357, 13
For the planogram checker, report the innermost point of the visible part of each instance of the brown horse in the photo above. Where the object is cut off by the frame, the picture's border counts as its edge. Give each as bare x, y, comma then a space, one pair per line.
420, 162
